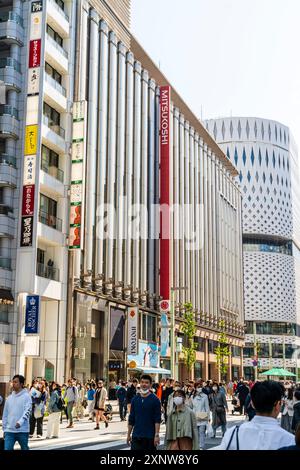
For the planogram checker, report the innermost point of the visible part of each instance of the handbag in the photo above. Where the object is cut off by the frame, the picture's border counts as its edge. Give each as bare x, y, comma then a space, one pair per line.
201, 415
38, 411
209, 430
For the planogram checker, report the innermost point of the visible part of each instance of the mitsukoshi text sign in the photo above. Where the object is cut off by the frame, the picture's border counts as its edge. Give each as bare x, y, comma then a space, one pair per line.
165, 109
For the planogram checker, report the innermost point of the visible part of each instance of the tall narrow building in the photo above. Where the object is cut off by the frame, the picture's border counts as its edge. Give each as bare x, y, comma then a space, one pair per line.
266, 158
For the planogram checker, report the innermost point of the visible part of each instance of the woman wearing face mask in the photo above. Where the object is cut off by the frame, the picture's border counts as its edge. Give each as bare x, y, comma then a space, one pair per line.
218, 408
181, 429
170, 403
288, 410
201, 409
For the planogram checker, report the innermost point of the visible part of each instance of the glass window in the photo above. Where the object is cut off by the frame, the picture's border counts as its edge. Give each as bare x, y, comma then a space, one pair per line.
57, 38
248, 351
53, 73
52, 115
4, 312
212, 345
249, 327
199, 343
40, 256
263, 350
236, 351
149, 328
48, 206
49, 158
291, 350
277, 350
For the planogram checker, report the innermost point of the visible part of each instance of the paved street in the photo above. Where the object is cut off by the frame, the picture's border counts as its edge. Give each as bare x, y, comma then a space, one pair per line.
84, 437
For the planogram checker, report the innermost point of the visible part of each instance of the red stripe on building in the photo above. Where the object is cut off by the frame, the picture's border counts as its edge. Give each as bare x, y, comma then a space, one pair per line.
165, 103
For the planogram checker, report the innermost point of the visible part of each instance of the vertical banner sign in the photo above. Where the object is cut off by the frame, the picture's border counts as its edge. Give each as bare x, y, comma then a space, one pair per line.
165, 104
165, 336
32, 314
31, 129
132, 330
78, 158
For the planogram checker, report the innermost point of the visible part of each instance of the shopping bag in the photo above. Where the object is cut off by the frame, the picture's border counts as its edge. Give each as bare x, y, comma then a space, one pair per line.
209, 430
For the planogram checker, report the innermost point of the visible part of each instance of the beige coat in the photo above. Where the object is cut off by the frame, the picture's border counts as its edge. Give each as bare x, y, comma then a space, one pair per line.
182, 423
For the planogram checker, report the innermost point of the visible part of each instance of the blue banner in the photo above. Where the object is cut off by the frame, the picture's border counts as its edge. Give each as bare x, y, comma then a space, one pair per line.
32, 314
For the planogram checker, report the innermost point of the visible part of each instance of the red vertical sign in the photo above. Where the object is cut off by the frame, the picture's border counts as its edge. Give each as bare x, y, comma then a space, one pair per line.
165, 103
35, 53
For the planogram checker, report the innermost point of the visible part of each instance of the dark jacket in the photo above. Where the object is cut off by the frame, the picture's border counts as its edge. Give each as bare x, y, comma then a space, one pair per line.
165, 395
242, 391
122, 394
296, 416
250, 411
131, 393
144, 414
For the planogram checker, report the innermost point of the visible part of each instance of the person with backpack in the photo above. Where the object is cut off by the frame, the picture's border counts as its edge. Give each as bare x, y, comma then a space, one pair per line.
54, 409
71, 396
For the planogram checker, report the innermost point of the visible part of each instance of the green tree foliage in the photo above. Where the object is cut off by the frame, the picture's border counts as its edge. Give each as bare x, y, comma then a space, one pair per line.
188, 327
222, 351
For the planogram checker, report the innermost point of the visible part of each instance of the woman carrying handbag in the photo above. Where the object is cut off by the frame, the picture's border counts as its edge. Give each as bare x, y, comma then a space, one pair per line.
200, 406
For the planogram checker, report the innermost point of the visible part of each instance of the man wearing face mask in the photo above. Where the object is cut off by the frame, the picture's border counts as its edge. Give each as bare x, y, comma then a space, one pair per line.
144, 419
200, 406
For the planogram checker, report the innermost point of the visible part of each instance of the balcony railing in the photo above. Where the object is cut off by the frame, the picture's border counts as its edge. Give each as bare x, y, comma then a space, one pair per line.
49, 272
11, 16
57, 46
10, 62
5, 263
52, 170
8, 160
50, 220
6, 109
58, 8
55, 84
54, 127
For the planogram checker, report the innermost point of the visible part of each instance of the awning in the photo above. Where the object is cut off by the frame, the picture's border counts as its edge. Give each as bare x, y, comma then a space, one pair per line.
152, 370
6, 297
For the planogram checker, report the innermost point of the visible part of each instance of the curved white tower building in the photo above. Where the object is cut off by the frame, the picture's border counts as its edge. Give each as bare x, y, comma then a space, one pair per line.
266, 157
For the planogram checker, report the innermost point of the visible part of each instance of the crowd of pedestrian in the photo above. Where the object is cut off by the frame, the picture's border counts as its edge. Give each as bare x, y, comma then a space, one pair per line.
192, 411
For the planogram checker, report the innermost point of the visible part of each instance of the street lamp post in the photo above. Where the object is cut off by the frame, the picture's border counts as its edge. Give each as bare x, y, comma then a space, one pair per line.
173, 333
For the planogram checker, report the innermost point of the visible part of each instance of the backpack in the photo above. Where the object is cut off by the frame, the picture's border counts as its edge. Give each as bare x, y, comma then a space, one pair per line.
60, 404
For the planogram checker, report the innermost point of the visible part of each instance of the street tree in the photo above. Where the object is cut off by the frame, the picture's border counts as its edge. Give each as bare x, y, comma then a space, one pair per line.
188, 328
222, 351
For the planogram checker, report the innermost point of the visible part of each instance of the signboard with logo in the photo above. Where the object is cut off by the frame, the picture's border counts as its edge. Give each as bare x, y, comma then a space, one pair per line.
132, 330
26, 231
77, 172
32, 314
165, 117
165, 336
31, 138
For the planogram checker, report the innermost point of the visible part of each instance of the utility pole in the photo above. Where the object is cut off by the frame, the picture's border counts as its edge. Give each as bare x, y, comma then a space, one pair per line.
173, 332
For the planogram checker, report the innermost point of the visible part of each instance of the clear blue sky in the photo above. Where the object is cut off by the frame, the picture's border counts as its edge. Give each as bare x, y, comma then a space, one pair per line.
227, 57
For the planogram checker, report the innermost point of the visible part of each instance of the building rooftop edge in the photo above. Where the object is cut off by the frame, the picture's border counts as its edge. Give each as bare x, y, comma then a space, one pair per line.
142, 56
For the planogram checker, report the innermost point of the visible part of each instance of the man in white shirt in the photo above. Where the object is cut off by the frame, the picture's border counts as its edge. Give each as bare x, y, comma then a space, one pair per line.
263, 432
